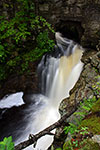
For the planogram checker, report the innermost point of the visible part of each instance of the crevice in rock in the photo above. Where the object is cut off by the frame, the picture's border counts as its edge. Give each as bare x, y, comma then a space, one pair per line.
70, 29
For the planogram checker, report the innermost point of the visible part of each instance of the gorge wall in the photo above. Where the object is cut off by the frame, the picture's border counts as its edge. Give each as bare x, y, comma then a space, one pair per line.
76, 19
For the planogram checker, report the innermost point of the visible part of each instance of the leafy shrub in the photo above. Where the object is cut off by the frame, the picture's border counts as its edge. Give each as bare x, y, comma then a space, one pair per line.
24, 38
7, 144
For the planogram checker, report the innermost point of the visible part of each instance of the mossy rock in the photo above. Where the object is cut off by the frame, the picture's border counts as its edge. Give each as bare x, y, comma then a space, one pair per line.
86, 144
93, 123
96, 106
89, 144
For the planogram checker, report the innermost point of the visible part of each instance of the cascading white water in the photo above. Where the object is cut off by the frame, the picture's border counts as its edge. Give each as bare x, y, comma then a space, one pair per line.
58, 76
12, 100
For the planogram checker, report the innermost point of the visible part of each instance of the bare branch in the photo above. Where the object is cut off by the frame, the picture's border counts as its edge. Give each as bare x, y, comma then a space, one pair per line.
33, 138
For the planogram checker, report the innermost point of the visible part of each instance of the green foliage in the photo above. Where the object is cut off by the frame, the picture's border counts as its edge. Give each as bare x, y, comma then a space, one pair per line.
96, 106
74, 143
7, 144
2, 53
52, 148
84, 130
88, 144
58, 148
93, 122
43, 41
86, 126
72, 128
83, 126
2, 72
85, 144
24, 38
96, 87
70, 145
85, 107
88, 103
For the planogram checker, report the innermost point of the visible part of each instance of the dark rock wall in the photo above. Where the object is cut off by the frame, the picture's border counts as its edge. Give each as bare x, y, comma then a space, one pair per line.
77, 19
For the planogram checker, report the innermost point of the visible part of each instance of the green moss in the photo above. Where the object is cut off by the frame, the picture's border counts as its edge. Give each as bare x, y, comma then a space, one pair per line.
67, 145
88, 144
93, 123
96, 106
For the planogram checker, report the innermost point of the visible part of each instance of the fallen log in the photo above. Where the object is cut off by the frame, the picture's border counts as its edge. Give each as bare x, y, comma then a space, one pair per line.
33, 138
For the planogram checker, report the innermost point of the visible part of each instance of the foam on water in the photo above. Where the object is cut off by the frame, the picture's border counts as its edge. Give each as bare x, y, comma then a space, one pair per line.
12, 100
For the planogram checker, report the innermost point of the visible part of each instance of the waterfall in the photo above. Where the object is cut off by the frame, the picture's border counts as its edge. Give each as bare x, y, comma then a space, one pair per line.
58, 74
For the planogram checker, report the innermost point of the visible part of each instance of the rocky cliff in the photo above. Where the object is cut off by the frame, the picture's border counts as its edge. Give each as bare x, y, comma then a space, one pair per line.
76, 19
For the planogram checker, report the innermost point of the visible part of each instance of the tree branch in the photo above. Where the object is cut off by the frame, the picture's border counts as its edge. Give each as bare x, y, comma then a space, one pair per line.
33, 138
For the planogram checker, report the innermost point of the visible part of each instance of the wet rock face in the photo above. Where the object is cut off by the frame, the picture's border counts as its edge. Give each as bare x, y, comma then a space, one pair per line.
87, 86
79, 19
